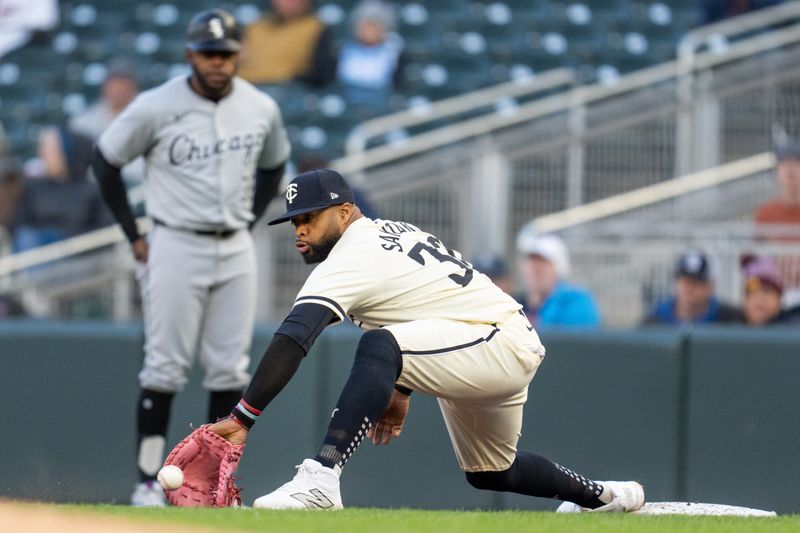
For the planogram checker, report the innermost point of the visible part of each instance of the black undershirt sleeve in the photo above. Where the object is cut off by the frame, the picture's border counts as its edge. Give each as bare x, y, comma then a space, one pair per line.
267, 181
112, 188
291, 342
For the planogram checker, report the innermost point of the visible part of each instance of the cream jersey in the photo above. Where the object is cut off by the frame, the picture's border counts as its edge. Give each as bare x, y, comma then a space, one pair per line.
383, 272
200, 155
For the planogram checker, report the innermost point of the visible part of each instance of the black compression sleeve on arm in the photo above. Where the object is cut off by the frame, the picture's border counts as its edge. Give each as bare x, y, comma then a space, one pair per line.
113, 191
280, 361
305, 322
277, 366
267, 182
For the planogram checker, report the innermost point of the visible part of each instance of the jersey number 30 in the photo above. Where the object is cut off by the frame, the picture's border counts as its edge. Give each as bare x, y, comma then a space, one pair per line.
434, 249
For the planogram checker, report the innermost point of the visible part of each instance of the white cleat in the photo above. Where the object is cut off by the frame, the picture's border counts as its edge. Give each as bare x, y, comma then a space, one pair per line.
628, 497
148, 494
314, 487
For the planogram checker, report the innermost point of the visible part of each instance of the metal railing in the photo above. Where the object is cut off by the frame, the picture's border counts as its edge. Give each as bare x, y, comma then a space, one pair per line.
358, 140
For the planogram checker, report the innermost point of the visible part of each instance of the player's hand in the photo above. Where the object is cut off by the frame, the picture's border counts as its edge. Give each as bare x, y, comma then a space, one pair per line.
230, 430
390, 424
140, 250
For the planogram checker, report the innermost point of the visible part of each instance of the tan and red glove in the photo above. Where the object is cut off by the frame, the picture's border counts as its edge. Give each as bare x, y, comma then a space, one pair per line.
209, 463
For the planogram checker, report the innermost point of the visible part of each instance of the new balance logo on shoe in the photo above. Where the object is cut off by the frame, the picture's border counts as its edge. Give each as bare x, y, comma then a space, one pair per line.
315, 500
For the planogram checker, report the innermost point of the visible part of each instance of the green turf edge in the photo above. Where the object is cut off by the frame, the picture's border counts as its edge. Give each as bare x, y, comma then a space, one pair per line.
424, 521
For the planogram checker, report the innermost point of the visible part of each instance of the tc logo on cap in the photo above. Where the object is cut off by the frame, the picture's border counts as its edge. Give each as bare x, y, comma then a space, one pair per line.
291, 192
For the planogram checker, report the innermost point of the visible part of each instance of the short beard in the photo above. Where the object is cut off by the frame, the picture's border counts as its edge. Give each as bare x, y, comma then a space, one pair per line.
210, 92
319, 252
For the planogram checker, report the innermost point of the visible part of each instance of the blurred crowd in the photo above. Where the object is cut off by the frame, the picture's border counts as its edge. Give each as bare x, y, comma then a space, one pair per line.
550, 300
53, 196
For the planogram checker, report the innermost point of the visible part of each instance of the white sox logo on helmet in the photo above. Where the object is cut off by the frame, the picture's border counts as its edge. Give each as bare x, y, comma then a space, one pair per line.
291, 192
215, 27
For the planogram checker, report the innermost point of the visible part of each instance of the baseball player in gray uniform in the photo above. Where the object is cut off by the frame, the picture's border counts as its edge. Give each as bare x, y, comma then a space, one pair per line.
215, 149
433, 325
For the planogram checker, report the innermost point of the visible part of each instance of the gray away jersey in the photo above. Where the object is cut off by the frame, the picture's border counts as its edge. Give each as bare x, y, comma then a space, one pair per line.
383, 272
201, 156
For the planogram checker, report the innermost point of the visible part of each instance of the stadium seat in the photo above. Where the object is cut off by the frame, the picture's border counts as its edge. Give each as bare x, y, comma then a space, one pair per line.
451, 47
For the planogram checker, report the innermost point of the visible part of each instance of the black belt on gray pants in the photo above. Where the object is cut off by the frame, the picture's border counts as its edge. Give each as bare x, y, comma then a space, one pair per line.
218, 233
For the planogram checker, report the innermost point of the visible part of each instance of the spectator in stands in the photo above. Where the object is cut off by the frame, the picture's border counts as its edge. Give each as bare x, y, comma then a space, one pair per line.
119, 89
494, 266
10, 191
289, 43
763, 290
778, 220
370, 64
11, 307
21, 19
549, 300
62, 202
694, 301
716, 10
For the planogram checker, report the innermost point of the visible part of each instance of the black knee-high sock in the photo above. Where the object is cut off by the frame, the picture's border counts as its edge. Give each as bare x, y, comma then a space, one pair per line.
152, 419
220, 403
365, 396
533, 475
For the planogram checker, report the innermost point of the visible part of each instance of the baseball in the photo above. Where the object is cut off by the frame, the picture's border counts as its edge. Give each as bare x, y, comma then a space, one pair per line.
170, 477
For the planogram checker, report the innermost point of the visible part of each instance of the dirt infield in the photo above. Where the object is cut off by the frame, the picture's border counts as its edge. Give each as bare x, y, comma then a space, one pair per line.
45, 518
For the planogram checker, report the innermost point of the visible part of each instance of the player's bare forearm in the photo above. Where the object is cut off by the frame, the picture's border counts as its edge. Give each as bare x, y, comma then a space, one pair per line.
230, 430
140, 250
390, 424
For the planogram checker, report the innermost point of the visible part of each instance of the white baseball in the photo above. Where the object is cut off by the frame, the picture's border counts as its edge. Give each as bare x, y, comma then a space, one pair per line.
170, 477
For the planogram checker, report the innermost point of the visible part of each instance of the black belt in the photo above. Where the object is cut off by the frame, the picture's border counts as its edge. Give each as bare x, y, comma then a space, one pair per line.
218, 233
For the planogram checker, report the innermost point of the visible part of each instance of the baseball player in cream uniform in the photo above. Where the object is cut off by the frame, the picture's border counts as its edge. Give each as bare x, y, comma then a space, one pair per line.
432, 325
215, 149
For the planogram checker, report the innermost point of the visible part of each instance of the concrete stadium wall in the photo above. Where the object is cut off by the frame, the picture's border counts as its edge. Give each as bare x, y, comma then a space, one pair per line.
703, 416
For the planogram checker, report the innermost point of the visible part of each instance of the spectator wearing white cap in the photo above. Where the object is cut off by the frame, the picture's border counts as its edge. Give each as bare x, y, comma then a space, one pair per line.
693, 301
549, 300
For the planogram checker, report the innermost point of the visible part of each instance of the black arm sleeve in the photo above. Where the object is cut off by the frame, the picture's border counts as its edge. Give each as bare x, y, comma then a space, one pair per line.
267, 182
289, 346
113, 191
277, 366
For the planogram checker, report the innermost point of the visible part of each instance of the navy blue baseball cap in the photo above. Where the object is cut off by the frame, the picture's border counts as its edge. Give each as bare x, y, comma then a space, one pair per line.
694, 264
313, 190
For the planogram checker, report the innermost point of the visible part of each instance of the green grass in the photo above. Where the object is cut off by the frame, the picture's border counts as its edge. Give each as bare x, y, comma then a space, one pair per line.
416, 521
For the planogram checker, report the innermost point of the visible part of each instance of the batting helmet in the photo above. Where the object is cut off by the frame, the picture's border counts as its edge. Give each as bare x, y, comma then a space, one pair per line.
214, 30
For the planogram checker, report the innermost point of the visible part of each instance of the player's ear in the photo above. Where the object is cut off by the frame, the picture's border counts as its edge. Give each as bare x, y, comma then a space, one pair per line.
345, 211
189, 55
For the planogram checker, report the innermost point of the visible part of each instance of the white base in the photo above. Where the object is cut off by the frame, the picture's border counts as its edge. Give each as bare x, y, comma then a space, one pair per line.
691, 508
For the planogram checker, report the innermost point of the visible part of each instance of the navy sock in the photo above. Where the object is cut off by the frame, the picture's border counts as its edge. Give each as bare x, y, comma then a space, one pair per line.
152, 418
365, 396
533, 475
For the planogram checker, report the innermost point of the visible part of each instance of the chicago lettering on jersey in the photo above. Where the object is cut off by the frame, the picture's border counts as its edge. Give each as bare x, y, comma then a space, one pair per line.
185, 149
389, 233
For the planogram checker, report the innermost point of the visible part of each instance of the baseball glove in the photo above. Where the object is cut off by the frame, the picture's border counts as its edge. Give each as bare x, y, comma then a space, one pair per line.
209, 463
